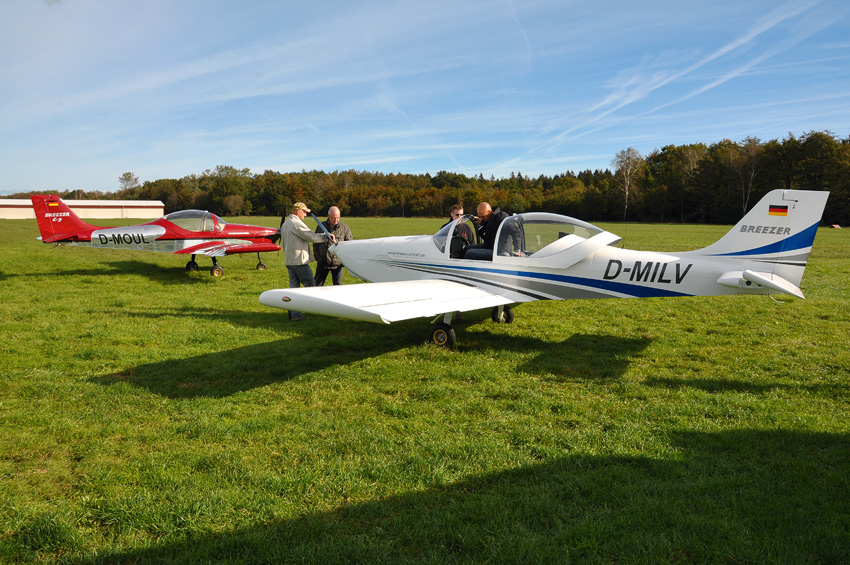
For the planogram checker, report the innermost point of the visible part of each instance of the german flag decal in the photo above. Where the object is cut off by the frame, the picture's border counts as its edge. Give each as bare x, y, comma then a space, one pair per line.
53, 204
777, 210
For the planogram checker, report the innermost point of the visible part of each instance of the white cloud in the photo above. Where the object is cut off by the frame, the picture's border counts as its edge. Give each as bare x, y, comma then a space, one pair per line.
481, 86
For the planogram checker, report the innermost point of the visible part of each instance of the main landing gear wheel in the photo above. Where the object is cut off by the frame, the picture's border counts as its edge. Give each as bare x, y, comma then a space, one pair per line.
442, 334
192, 265
261, 266
216, 271
502, 314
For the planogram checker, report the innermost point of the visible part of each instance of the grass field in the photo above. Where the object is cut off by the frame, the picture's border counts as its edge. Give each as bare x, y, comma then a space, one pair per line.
154, 415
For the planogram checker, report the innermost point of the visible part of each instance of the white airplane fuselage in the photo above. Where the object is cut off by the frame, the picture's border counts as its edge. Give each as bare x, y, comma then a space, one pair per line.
578, 271
543, 256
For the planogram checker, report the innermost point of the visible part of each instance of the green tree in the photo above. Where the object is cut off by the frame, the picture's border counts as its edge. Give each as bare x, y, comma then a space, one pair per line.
746, 162
128, 181
628, 167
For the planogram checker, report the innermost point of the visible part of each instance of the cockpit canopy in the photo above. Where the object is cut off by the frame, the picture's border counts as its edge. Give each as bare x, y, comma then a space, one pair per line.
530, 234
533, 233
195, 220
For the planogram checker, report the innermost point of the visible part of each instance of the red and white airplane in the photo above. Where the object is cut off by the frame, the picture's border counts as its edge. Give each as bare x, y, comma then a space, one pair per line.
185, 232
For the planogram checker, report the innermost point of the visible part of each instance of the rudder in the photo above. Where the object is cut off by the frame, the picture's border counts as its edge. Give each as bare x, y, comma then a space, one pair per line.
782, 221
57, 222
776, 235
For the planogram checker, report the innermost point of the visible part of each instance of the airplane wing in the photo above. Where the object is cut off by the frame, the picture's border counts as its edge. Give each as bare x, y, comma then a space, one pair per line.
222, 248
384, 302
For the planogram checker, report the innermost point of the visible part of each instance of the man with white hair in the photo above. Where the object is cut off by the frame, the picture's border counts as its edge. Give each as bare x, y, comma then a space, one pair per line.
326, 262
297, 238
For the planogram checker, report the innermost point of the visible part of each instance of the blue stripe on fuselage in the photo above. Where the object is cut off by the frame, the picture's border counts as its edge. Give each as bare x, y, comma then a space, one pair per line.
636, 291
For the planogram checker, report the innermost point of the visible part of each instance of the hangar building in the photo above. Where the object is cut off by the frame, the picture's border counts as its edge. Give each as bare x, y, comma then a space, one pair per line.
20, 209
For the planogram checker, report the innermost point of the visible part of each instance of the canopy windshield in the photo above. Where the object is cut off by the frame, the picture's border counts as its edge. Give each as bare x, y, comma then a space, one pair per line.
461, 229
195, 220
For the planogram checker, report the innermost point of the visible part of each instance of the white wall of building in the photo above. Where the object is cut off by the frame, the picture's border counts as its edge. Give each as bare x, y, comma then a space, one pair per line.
20, 209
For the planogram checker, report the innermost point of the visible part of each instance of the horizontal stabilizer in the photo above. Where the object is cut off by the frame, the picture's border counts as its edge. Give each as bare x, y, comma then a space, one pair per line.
746, 279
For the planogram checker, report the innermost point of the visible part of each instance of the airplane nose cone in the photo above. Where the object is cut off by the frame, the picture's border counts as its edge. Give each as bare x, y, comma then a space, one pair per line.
343, 252
347, 252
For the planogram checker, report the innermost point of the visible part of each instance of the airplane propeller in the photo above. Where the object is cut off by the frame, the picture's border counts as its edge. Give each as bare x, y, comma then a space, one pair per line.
321, 225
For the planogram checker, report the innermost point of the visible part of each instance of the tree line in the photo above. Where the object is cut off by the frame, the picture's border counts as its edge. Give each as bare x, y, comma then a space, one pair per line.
694, 183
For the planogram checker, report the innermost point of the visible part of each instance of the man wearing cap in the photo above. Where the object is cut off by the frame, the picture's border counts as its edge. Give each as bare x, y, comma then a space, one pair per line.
297, 238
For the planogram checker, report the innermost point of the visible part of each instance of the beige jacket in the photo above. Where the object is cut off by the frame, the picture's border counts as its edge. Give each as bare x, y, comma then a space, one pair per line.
297, 238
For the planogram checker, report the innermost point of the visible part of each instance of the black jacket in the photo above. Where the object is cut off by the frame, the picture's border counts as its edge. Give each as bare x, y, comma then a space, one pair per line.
320, 250
487, 230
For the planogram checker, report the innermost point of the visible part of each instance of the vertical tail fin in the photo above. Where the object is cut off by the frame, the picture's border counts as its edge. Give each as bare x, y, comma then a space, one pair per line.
57, 222
776, 236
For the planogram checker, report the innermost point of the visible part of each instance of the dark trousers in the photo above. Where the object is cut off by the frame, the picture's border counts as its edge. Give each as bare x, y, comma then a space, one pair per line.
299, 275
322, 274
479, 251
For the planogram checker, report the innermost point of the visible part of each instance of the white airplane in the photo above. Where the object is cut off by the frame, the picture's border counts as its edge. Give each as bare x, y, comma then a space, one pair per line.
543, 256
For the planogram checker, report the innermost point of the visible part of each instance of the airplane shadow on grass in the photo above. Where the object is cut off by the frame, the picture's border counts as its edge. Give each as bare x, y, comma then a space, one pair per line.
742, 496
723, 384
223, 373
324, 343
176, 274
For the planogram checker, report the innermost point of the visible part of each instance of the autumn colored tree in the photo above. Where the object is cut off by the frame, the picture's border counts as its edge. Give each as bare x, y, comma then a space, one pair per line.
685, 183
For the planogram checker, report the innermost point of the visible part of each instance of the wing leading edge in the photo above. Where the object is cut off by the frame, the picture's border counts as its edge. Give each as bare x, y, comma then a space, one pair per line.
220, 248
384, 302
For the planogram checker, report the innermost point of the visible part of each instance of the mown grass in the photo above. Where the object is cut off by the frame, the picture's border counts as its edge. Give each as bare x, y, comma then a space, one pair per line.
154, 415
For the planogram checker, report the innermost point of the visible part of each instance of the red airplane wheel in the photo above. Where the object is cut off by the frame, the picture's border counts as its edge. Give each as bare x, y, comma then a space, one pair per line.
442, 334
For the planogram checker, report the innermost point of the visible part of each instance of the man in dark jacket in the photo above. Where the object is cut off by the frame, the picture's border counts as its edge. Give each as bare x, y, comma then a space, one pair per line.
325, 262
487, 225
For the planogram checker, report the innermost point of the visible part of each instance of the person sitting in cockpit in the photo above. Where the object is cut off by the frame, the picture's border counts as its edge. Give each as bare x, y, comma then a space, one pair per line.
462, 236
487, 225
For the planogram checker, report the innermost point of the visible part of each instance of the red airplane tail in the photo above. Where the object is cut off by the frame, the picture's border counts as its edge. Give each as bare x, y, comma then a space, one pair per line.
56, 221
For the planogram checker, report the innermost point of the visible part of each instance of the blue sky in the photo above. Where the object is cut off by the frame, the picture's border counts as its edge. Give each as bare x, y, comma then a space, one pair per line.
91, 89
